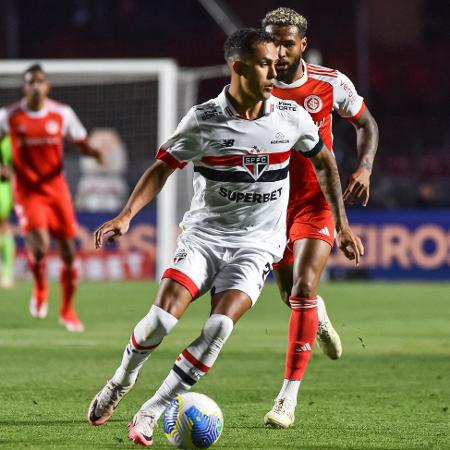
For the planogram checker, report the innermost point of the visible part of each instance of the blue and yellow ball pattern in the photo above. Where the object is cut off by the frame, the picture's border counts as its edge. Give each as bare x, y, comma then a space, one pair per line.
193, 420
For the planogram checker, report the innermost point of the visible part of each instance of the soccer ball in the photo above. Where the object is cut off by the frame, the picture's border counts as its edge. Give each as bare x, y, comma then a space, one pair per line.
193, 421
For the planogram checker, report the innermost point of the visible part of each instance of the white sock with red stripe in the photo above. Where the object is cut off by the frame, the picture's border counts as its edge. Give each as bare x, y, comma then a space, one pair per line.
146, 336
192, 364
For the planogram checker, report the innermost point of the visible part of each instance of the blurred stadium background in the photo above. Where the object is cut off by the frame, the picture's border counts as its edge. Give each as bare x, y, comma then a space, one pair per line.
396, 52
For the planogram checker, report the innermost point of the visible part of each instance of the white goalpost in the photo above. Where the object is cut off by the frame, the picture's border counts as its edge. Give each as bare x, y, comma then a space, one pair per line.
163, 72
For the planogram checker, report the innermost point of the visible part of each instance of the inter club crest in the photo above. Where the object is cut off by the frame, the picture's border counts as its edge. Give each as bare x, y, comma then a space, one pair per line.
255, 164
313, 103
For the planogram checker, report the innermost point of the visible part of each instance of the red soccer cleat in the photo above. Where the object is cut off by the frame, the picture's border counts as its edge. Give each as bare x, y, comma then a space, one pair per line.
70, 320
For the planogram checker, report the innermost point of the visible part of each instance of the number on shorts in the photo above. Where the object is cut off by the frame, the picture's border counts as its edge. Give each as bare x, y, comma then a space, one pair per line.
266, 271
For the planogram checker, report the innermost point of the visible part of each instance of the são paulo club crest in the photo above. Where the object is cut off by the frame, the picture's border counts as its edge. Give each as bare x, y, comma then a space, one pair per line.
313, 103
255, 164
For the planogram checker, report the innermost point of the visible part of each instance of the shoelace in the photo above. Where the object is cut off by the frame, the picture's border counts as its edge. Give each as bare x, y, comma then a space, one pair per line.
323, 333
113, 391
146, 422
281, 405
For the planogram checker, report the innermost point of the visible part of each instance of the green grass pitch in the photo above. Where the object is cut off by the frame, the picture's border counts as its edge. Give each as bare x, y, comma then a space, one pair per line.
390, 390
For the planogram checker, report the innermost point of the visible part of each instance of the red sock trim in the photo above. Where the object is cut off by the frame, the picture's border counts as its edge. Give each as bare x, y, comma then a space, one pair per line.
194, 361
183, 279
302, 331
141, 347
303, 302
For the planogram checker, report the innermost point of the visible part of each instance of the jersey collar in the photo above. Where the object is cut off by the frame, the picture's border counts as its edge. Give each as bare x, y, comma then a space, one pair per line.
230, 111
35, 114
297, 83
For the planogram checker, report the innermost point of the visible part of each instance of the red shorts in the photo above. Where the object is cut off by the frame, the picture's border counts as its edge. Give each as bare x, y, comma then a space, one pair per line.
316, 224
55, 214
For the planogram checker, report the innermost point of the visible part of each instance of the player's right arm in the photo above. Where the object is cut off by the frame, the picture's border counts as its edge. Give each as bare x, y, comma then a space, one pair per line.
147, 188
183, 146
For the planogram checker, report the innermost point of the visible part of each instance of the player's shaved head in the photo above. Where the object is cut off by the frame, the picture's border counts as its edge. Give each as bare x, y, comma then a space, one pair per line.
35, 86
242, 43
36, 67
286, 17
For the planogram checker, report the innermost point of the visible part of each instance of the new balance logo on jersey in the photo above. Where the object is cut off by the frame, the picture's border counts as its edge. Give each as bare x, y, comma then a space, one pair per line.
303, 348
324, 231
226, 143
255, 165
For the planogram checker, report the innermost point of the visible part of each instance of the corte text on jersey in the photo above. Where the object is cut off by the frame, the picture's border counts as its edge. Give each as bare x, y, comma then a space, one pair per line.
250, 197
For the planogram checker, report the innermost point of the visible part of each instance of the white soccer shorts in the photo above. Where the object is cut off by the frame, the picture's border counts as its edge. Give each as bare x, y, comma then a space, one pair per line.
201, 266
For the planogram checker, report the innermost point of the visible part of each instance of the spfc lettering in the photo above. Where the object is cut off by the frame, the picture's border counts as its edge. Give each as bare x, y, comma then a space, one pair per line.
255, 165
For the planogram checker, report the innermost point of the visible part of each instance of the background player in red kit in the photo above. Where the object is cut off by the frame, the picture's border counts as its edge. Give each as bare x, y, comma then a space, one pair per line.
37, 126
310, 223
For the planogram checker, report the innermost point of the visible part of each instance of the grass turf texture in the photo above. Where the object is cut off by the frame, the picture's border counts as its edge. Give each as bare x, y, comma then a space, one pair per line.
390, 390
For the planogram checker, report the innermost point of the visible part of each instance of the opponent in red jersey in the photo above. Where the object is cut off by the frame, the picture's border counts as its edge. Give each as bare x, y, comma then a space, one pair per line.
310, 223
37, 126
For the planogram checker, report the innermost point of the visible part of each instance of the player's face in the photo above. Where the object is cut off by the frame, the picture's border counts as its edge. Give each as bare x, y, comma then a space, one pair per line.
259, 71
290, 51
35, 86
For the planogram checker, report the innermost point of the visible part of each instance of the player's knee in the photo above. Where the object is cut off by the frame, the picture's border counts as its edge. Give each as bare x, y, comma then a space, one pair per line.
154, 326
217, 330
39, 253
304, 287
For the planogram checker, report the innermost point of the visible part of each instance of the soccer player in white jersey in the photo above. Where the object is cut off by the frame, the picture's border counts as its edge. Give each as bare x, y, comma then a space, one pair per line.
309, 220
240, 145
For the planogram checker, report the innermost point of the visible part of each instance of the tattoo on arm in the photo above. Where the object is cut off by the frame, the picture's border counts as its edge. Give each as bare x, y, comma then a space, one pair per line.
366, 164
330, 183
367, 140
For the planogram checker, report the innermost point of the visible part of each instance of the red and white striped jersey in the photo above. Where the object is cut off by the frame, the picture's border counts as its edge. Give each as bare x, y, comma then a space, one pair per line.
37, 143
240, 169
320, 91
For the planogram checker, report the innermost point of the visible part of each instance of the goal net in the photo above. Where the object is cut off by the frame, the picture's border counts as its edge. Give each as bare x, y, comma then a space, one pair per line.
131, 104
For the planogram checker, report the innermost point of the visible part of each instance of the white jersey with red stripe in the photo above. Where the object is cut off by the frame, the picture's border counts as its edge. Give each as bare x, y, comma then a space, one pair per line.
320, 91
241, 176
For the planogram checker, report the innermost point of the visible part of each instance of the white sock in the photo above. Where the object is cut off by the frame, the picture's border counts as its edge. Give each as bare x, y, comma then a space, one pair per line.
146, 336
192, 364
321, 311
290, 389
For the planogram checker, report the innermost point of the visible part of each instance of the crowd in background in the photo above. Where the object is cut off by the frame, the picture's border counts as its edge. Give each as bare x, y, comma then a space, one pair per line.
406, 89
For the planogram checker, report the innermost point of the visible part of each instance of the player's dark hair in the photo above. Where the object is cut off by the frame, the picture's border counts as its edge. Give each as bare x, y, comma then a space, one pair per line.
242, 43
36, 67
286, 17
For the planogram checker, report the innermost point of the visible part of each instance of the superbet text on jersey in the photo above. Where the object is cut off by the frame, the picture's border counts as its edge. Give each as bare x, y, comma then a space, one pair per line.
320, 91
240, 169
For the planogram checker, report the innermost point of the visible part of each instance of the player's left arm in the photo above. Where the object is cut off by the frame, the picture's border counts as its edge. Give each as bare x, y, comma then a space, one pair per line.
86, 149
77, 134
358, 184
350, 105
